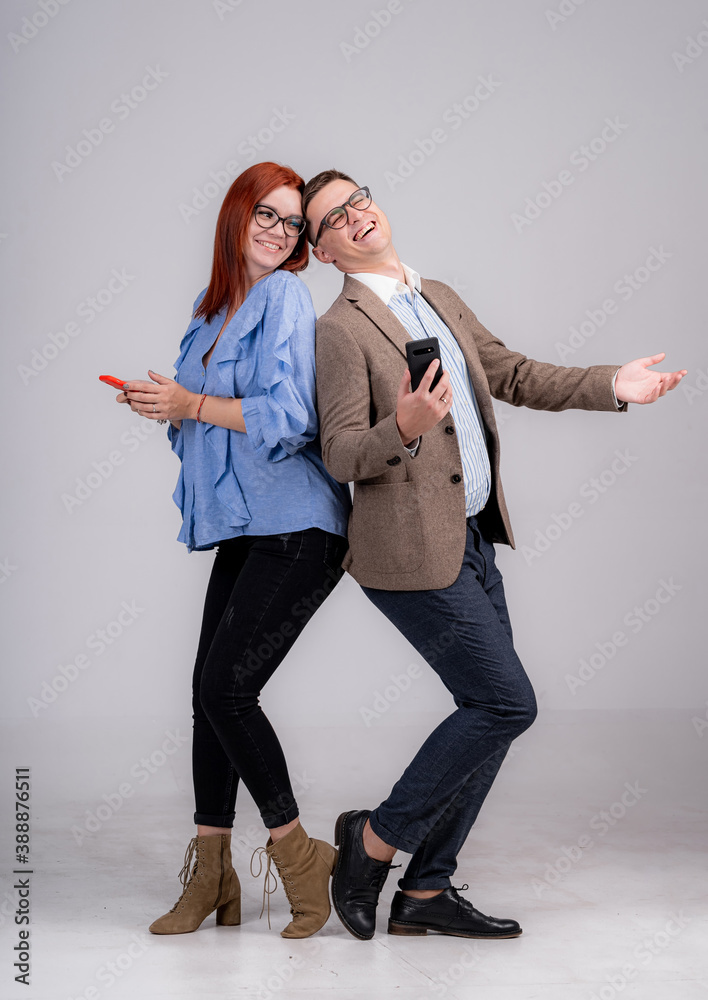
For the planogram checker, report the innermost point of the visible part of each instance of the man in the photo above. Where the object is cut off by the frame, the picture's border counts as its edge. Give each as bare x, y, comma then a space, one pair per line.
428, 506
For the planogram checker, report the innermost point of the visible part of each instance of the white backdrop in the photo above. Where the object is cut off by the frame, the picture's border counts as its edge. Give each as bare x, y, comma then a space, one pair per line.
547, 159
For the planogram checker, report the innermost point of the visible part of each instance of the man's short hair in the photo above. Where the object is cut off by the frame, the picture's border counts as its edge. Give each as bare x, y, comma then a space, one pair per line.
319, 181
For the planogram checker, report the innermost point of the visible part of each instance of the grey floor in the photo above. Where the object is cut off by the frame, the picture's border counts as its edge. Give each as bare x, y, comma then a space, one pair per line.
593, 837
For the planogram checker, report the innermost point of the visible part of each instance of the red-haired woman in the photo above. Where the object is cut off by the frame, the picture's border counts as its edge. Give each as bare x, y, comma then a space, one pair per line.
253, 485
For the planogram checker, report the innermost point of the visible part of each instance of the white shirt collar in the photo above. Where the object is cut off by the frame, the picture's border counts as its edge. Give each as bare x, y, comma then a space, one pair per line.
386, 287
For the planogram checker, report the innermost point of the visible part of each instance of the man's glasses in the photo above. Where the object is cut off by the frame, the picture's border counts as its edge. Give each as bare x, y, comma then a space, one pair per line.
338, 217
267, 218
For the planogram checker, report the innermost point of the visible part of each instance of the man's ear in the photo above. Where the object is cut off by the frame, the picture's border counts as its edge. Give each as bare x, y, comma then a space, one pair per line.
322, 256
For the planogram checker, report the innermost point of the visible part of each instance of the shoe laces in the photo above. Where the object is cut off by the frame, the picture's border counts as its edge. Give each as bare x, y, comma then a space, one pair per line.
188, 872
269, 886
288, 884
457, 889
380, 875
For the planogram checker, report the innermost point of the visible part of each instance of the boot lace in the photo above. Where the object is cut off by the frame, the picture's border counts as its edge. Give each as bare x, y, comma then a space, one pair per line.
270, 883
289, 886
188, 872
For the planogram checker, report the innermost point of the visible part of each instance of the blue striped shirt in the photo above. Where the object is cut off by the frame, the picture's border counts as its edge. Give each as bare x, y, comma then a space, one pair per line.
420, 321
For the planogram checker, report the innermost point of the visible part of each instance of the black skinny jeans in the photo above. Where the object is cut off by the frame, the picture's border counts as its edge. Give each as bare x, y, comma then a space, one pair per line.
262, 592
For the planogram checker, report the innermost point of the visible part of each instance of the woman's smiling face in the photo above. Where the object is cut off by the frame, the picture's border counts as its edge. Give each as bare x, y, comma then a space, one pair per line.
266, 249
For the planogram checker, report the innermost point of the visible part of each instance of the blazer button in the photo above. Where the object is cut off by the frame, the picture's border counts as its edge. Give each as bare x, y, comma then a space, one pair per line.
449, 429
394, 461
456, 478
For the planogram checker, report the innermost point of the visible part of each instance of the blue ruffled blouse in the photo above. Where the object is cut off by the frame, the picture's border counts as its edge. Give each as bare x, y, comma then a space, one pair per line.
270, 480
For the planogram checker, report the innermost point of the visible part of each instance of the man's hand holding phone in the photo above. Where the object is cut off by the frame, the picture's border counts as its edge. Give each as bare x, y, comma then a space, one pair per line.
418, 412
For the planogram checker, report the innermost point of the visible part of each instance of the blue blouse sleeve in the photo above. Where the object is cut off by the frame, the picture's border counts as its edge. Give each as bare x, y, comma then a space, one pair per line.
282, 418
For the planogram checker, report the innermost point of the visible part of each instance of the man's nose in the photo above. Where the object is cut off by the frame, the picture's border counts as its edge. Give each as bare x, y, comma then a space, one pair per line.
354, 215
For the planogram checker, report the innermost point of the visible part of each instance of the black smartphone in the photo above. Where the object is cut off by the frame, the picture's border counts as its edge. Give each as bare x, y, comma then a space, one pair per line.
420, 353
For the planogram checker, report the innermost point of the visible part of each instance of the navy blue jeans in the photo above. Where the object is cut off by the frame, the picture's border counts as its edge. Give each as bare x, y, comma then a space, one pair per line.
465, 635
262, 592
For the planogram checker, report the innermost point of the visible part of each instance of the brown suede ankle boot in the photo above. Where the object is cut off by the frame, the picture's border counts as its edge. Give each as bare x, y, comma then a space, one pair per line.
305, 866
212, 884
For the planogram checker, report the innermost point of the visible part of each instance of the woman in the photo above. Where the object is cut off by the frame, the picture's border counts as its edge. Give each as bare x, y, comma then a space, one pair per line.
252, 483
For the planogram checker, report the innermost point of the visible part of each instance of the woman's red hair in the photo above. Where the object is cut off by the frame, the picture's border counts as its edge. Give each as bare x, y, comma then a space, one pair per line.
228, 276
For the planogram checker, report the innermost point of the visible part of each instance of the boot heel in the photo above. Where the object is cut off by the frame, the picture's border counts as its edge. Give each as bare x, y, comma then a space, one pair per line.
338, 828
327, 853
405, 930
229, 914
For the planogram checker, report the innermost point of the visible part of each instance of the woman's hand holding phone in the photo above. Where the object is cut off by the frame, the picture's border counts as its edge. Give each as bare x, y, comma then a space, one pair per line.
161, 399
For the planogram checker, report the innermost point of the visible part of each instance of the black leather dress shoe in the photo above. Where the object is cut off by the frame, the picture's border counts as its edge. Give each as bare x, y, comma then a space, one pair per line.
358, 879
446, 913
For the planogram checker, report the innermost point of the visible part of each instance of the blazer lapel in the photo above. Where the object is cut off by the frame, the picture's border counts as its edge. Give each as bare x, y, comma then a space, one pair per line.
371, 305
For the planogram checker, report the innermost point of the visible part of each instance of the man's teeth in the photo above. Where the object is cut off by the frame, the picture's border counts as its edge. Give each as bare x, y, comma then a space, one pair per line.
363, 232
271, 246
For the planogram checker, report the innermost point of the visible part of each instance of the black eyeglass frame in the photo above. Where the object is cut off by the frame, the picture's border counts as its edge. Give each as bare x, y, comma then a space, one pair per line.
347, 204
279, 218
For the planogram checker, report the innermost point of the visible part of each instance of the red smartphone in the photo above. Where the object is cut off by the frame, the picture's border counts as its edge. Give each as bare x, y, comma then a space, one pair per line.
117, 383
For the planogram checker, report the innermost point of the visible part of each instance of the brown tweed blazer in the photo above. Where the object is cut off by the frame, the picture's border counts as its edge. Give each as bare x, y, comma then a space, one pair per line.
407, 528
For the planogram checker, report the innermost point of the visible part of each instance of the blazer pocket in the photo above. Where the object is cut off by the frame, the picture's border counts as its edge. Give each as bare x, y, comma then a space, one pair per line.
385, 533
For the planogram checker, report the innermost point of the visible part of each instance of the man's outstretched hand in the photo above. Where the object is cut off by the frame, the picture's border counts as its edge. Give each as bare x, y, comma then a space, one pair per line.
636, 384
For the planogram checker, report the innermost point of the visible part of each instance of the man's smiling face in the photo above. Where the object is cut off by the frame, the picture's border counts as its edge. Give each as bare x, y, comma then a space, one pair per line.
360, 242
